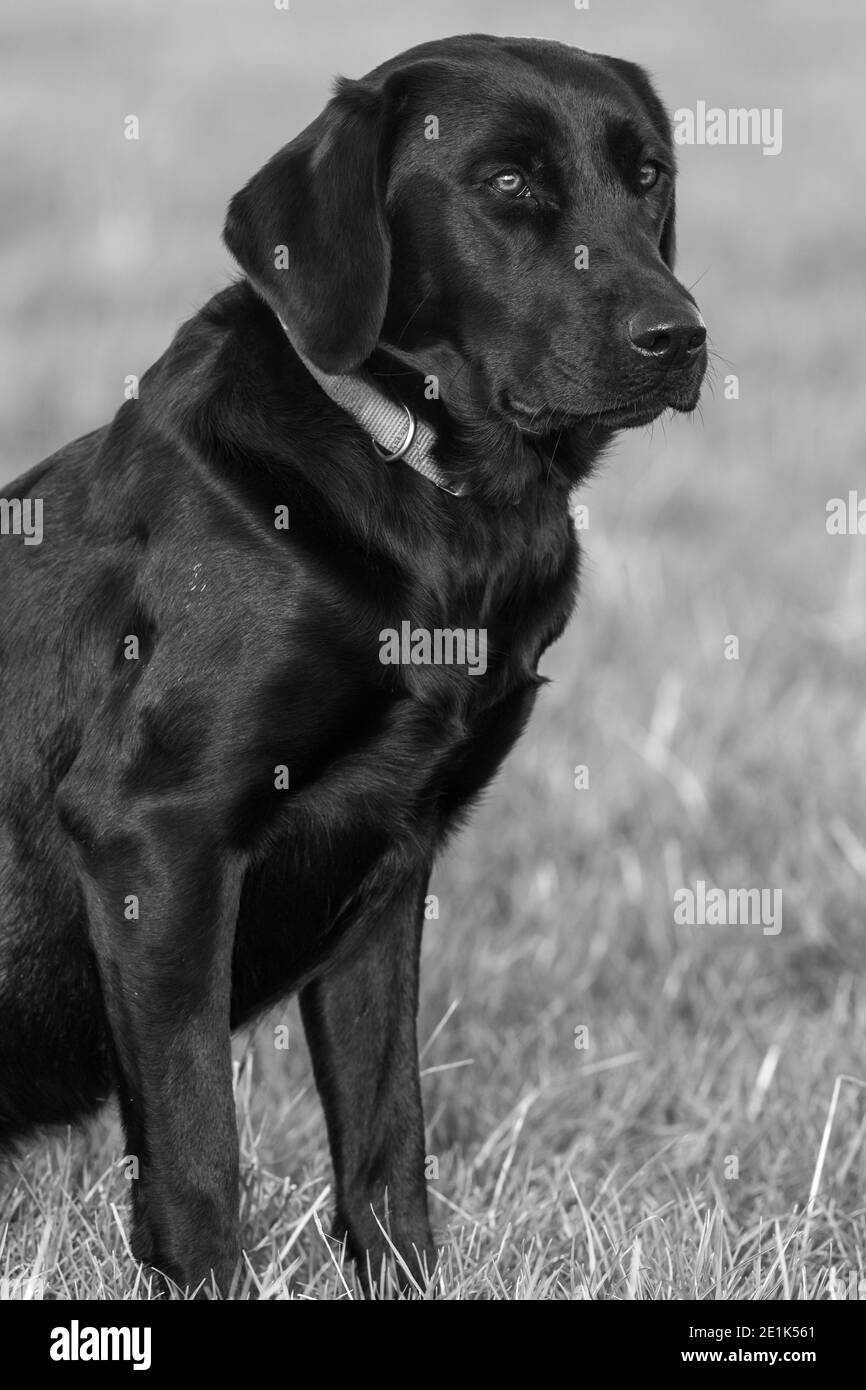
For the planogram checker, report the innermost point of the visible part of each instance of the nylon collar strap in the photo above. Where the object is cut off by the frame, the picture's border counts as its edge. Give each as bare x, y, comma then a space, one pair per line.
395, 430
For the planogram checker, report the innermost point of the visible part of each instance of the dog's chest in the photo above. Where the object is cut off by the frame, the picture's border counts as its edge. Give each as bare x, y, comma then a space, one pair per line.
408, 712
352, 837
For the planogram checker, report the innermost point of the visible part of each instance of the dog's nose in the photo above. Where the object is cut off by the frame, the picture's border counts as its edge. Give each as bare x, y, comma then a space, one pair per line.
669, 337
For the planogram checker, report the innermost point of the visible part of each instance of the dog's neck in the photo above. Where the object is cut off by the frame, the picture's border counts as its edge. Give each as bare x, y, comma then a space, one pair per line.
457, 448
396, 431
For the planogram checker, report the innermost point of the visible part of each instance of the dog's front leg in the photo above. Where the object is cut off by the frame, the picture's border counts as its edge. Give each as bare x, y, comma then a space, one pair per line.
360, 1021
162, 908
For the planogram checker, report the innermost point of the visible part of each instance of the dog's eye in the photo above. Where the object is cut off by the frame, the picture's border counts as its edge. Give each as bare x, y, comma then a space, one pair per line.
648, 175
512, 183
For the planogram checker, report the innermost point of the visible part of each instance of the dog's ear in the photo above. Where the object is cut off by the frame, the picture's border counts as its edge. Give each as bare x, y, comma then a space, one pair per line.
310, 229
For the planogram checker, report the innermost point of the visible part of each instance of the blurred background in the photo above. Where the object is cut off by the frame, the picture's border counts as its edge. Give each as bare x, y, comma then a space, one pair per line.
560, 1170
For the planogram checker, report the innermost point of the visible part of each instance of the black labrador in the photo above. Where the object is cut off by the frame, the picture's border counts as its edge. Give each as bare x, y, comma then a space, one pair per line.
216, 788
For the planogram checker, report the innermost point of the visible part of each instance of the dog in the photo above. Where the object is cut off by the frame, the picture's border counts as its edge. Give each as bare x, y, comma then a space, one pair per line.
240, 713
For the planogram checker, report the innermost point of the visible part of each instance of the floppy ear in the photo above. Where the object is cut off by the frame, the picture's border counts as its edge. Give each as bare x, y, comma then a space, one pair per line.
309, 229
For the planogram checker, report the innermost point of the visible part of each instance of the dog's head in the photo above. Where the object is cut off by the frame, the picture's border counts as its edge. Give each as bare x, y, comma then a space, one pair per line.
496, 213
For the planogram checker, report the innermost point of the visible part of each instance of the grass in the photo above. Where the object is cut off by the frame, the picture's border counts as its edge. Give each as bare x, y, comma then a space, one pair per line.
605, 1171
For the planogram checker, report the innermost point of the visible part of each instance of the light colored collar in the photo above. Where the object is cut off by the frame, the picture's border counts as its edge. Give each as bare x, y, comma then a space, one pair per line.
395, 430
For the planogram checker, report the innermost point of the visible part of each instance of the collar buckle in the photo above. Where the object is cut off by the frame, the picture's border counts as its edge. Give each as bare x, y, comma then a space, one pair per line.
393, 455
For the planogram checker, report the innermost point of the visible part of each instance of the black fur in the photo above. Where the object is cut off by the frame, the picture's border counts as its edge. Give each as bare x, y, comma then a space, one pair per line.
259, 647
